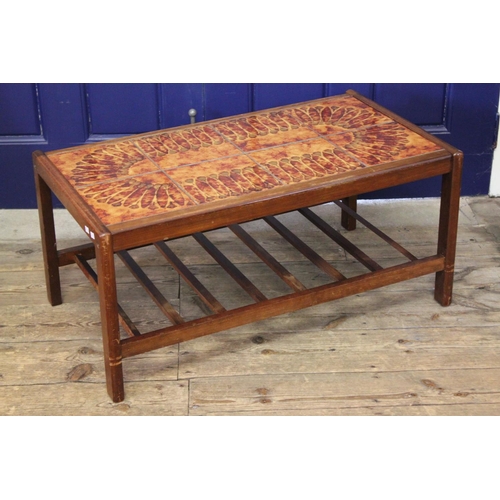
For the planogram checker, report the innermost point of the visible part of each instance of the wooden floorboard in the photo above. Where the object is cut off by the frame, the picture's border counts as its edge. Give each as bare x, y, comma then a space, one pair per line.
392, 351
330, 392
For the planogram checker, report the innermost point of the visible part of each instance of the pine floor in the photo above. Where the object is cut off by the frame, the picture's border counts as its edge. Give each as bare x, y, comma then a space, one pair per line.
392, 351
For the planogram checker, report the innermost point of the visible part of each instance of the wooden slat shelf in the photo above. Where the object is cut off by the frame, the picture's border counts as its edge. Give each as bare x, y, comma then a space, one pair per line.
267, 258
279, 305
304, 249
341, 240
189, 277
230, 268
150, 288
352, 213
209, 299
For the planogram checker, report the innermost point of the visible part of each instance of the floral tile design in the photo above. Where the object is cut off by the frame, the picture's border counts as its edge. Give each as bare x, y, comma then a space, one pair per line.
134, 197
338, 115
102, 162
263, 130
384, 143
220, 179
186, 146
306, 160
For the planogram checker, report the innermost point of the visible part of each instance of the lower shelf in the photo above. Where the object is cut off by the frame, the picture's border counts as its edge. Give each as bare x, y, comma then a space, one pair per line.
218, 318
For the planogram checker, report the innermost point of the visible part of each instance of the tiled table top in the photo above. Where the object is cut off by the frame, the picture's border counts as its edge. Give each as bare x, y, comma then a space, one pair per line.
175, 169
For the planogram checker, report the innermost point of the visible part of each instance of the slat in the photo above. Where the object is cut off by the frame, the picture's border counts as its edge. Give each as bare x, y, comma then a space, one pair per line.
67, 255
376, 230
150, 288
91, 275
230, 268
267, 258
304, 249
341, 240
190, 278
280, 305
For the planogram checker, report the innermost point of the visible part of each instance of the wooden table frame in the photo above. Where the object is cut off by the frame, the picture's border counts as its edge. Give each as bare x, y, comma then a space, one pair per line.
110, 241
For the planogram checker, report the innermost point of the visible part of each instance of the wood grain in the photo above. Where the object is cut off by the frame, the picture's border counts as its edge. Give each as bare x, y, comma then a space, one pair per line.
318, 391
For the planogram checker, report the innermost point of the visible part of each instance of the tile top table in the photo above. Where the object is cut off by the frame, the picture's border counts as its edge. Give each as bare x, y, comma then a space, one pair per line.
152, 187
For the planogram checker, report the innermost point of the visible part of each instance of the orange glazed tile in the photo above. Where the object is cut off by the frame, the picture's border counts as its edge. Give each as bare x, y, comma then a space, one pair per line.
383, 143
220, 179
101, 162
305, 160
262, 130
134, 197
338, 114
185, 146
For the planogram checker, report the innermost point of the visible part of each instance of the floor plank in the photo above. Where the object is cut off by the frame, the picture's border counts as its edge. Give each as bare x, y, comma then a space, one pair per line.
27, 363
431, 410
68, 399
314, 392
340, 351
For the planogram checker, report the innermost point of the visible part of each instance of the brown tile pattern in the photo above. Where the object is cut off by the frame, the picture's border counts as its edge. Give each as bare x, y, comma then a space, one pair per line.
175, 169
263, 130
102, 162
305, 160
184, 147
124, 199
383, 143
327, 117
220, 179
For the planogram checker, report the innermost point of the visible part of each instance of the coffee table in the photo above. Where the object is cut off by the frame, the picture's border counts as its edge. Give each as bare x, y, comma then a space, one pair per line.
149, 189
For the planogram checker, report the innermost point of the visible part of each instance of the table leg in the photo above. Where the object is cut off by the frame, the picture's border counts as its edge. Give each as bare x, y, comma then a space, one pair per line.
49, 245
448, 226
348, 222
109, 318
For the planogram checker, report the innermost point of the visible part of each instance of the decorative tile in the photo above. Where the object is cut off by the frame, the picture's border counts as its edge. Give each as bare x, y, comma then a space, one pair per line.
102, 162
383, 143
134, 197
338, 114
186, 146
305, 160
220, 179
263, 130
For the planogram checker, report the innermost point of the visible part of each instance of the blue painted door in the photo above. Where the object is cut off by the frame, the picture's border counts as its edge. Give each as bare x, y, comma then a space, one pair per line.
53, 116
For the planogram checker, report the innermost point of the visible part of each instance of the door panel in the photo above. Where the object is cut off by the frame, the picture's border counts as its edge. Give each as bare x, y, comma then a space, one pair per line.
269, 95
134, 108
225, 99
63, 115
365, 89
177, 99
20, 110
423, 103
54, 116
